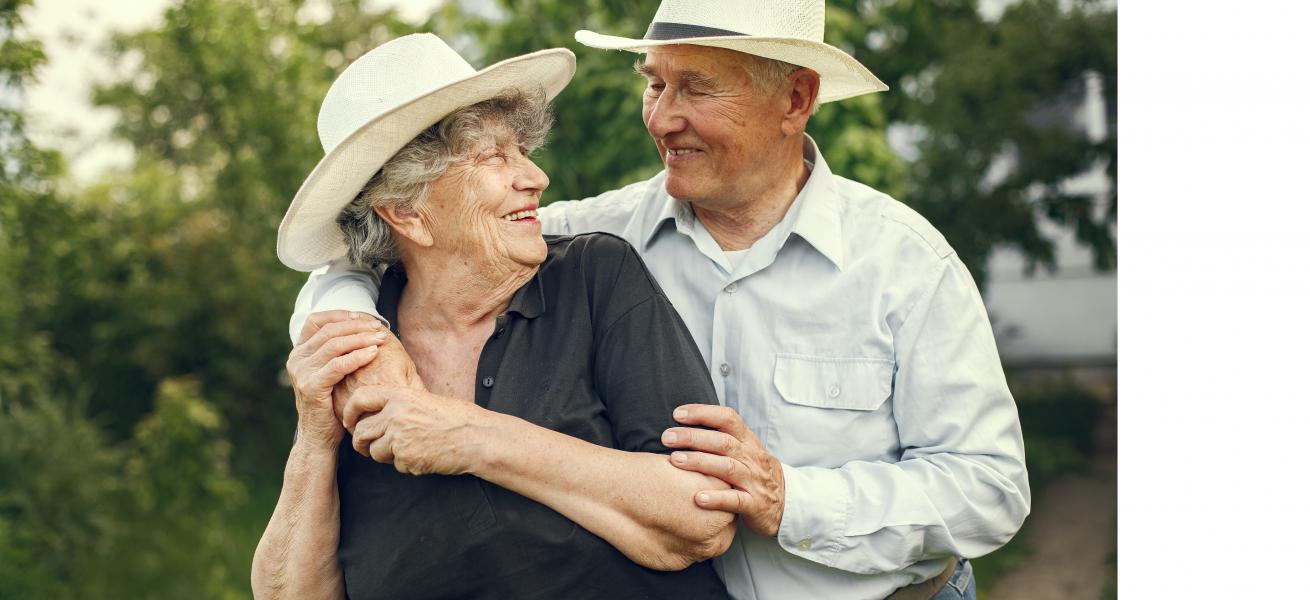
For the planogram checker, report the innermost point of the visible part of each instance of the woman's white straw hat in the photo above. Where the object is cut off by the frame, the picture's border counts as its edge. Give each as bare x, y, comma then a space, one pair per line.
377, 105
786, 30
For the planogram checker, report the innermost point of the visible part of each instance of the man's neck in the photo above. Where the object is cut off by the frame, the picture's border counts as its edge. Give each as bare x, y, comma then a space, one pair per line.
740, 225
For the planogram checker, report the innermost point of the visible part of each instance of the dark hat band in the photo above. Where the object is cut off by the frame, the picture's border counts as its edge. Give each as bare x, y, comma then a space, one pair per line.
660, 30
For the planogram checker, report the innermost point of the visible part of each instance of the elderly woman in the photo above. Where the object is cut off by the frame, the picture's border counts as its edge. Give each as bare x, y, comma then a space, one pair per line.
522, 460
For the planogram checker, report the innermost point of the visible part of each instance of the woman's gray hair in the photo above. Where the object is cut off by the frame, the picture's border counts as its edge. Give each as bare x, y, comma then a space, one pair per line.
403, 181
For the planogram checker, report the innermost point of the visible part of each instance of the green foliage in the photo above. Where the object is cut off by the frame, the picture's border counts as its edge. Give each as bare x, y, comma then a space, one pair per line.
980, 92
144, 518
144, 315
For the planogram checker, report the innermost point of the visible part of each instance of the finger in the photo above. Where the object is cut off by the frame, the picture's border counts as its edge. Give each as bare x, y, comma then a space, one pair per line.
344, 344
334, 330
364, 401
729, 470
317, 320
336, 369
704, 440
366, 431
733, 501
710, 415
380, 450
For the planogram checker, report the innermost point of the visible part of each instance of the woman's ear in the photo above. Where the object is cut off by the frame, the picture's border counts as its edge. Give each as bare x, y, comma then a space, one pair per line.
408, 223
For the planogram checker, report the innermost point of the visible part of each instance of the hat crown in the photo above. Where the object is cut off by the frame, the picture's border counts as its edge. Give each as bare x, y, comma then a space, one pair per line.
768, 18
384, 78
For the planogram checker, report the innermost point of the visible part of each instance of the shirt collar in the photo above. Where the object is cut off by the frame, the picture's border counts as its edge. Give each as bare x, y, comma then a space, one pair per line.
530, 300
814, 216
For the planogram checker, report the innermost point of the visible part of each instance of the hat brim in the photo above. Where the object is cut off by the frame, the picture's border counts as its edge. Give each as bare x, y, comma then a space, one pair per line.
309, 237
840, 75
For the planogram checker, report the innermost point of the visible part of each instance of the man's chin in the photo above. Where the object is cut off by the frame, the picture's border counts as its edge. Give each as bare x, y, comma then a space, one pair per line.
682, 189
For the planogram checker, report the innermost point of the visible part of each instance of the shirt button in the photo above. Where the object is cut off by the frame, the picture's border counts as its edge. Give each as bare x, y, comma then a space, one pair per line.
834, 391
732, 287
724, 369
803, 545
488, 381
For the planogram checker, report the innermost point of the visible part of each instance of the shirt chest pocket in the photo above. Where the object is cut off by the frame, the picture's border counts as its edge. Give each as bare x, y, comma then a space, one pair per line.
849, 383
829, 410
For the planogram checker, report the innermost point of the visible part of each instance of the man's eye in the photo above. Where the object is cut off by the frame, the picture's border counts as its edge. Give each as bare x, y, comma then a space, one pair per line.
655, 88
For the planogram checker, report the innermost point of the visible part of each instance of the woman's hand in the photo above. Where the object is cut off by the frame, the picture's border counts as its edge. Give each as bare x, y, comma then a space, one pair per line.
417, 432
319, 363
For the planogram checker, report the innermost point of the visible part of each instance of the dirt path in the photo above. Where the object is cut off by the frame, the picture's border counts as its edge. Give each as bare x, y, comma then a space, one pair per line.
1072, 533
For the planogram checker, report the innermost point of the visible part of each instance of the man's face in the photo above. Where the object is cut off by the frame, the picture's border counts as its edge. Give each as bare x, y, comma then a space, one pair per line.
714, 131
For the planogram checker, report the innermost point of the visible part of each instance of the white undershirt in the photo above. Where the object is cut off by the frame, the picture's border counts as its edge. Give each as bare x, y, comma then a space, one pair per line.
735, 256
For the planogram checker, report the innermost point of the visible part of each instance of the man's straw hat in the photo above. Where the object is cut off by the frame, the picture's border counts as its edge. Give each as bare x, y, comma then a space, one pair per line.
786, 30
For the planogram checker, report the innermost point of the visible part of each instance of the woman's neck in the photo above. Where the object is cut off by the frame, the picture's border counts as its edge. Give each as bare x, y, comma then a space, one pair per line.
456, 293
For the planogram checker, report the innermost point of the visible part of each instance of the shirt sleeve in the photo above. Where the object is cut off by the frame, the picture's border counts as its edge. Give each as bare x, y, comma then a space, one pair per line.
646, 362
960, 487
336, 286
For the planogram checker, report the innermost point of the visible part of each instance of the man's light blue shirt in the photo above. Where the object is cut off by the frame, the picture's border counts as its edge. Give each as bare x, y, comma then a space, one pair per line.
855, 345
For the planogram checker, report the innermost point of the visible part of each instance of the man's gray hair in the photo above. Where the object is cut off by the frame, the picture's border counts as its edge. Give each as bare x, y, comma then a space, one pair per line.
404, 181
767, 74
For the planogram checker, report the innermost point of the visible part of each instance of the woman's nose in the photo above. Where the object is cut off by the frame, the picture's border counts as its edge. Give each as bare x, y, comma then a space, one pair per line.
530, 177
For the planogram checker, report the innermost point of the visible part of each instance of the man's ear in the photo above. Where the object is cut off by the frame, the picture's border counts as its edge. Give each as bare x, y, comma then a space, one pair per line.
802, 94
408, 223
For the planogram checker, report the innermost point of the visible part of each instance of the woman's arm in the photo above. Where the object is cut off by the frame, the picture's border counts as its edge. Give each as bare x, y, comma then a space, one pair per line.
636, 501
297, 555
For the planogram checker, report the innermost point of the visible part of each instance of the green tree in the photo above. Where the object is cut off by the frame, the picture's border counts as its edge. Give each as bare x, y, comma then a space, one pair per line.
980, 92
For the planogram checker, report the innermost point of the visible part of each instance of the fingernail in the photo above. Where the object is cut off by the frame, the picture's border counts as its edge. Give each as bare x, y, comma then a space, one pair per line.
680, 414
669, 437
702, 498
375, 324
380, 336
679, 457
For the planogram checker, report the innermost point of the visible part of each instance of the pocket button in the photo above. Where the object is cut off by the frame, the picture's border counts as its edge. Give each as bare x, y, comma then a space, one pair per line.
834, 390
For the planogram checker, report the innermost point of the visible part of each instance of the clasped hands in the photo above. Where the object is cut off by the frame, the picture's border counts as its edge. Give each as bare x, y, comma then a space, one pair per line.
351, 374
376, 394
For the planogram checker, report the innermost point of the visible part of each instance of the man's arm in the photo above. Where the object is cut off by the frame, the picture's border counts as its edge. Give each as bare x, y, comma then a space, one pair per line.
336, 286
960, 487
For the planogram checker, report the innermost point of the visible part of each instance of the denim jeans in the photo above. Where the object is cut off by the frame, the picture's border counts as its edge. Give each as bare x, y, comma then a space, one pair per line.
961, 585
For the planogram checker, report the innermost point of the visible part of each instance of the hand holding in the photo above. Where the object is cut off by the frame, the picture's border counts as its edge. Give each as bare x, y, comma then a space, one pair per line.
392, 368
334, 350
732, 453
417, 432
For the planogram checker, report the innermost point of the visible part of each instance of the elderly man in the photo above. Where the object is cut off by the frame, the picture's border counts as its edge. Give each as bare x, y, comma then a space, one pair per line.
864, 422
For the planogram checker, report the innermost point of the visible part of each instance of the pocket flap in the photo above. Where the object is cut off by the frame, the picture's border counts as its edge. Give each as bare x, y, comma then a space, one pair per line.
851, 383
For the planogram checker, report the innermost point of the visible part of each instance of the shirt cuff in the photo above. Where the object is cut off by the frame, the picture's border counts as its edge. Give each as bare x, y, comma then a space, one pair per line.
815, 508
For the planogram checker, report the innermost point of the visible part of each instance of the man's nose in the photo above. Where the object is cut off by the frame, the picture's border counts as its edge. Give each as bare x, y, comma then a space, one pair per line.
665, 116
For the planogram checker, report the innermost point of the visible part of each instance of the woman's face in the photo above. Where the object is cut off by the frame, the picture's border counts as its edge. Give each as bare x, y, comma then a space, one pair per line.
487, 204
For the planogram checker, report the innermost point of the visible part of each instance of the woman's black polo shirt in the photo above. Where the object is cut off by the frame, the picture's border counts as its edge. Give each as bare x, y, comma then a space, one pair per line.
589, 347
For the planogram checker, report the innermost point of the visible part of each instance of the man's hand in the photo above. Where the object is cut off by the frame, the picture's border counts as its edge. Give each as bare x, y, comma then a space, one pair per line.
734, 455
417, 432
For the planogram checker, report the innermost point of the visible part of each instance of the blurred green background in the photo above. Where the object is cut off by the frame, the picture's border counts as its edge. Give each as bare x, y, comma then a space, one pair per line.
144, 414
